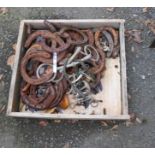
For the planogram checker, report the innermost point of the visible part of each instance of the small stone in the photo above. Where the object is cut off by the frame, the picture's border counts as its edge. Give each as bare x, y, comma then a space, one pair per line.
2, 108
67, 145
14, 47
132, 49
115, 127
143, 77
72, 121
149, 74
134, 69
103, 123
25, 136
144, 120
128, 123
1, 76
138, 120
111, 9
115, 135
10, 61
145, 9
57, 121
3, 10
110, 123
129, 96
1, 45
43, 123
2, 86
133, 117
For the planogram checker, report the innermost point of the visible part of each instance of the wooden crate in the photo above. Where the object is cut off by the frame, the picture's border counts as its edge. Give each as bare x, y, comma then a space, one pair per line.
114, 81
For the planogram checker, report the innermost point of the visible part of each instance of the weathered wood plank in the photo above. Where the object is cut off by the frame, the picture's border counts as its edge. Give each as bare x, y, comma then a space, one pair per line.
13, 85
68, 116
123, 70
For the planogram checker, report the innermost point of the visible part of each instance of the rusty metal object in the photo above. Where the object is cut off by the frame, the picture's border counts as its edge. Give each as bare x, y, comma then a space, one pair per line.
51, 98
116, 47
93, 85
109, 39
29, 100
110, 43
111, 36
100, 65
90, 49
114, 34
74, 35
116, 51
48, 35
50, 26
33, 80
34, 98
97, 39
74, 42
26, 87
61, 56
90, 36
60, 94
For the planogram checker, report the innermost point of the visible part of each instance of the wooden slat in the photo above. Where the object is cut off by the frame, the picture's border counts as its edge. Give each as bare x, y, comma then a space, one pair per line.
12, 92
123, 70
69, 116
84, 23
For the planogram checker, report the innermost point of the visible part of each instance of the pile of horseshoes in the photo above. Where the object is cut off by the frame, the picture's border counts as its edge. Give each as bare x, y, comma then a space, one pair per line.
65, 60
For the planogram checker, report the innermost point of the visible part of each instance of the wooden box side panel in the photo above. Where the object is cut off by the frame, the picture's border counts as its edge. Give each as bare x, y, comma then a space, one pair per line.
69, 116
79, 23
123, 71
14, 93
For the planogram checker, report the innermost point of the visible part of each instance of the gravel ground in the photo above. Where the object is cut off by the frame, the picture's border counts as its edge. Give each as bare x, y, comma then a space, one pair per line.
141, 87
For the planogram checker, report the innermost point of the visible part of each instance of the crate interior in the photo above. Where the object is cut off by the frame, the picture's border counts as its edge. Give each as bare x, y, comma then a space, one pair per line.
111, 94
